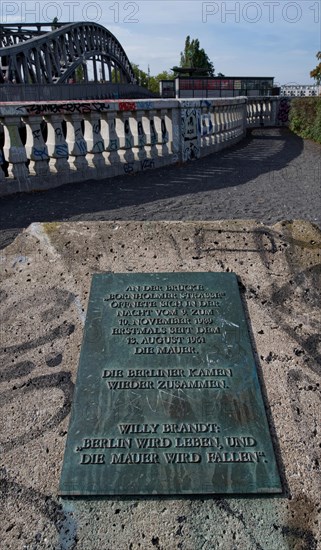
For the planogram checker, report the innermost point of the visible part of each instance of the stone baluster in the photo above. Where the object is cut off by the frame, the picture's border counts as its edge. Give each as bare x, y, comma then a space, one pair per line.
77, 146
268, 112
166, 131
205, 127
2, 161
211, 125
96, 156
149, 130
176, 132
110, 135
243, 116
224, 118
215, 123
238, 118
274, 111
152, 135
225, 125
14, 150
254, 112
229, 121
126, 139
36, 148
258, 112
139, 136
220, 124
57, 145
165, 123
156, 133
232, 120
249, 113
237, 122
220, 121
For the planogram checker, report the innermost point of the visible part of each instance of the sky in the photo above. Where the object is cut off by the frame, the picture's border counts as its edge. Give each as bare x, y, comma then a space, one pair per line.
278, 38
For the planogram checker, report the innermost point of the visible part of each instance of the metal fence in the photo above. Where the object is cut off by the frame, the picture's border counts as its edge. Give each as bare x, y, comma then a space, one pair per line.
71, 92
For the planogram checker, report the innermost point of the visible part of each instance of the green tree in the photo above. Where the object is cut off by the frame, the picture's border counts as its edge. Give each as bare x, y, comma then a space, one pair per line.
195, 57
316, 73
79, 74
153, 84
150, 82
141, 77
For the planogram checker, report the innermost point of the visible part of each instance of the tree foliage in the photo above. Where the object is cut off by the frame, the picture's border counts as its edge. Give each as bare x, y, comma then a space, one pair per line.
153, 84
305, 117
150, 82
195, 57
79, 74
316, 73
141, 76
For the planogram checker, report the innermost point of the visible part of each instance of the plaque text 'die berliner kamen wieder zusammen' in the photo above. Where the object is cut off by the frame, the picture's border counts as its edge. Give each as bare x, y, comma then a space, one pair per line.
167, 398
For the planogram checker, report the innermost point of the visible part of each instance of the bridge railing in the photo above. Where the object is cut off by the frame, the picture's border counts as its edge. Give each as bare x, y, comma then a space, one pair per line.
267, 111
46, 145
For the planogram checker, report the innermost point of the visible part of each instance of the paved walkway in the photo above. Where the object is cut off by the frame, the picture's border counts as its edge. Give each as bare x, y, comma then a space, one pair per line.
270, 176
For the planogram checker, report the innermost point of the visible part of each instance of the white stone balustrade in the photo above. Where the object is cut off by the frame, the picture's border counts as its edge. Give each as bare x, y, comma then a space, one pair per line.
262, 111
46, 145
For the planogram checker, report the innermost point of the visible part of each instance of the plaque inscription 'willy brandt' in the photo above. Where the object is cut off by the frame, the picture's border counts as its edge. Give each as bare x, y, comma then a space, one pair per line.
167, 399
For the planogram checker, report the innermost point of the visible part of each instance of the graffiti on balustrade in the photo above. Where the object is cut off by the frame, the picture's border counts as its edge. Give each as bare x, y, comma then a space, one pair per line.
61, 151
146, 164
98, 147
164, 131
127, 106
81, 146
144, 105
129, 141
153, 133
37, 134
40, 153
59, 108
12, 110
128, 167
206, 125
190, 124
113, 145
96, 127
141, 134
283, 111
80, 107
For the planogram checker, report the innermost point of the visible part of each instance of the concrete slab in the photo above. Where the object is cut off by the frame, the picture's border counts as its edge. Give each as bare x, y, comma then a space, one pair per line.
46, 274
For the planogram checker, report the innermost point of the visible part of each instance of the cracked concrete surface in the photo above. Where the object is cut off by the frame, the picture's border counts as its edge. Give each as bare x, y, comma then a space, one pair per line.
46, 274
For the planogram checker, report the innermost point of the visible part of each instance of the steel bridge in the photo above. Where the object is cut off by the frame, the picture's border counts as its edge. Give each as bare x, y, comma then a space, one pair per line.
47, 53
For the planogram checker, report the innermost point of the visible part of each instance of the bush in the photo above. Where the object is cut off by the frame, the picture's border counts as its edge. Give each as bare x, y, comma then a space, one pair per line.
305, 117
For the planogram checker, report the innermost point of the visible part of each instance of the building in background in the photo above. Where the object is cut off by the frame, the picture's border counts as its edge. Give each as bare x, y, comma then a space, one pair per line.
297, 90
211, 87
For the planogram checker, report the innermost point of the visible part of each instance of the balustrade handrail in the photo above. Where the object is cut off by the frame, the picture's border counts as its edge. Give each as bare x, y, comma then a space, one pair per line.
79, 140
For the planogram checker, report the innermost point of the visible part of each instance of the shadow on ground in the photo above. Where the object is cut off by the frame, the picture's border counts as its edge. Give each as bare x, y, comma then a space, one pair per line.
216, 187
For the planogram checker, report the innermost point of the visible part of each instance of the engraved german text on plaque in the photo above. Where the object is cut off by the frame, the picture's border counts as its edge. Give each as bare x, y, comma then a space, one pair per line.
167, 398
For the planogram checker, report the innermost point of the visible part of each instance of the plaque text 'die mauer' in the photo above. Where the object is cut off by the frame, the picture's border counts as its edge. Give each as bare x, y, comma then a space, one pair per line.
167, 398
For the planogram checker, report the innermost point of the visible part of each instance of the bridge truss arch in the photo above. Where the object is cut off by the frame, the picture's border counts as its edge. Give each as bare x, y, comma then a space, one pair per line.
40, 53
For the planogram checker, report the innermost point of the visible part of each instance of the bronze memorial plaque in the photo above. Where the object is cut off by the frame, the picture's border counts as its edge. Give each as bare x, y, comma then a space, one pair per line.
167, 399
